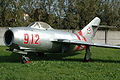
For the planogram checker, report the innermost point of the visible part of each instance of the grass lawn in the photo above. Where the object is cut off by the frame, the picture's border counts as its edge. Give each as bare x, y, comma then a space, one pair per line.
105, 65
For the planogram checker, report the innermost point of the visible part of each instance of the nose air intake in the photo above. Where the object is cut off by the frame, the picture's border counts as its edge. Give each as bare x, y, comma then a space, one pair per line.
8, 37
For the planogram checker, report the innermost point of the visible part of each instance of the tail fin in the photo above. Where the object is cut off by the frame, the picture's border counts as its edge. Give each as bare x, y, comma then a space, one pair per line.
89, 30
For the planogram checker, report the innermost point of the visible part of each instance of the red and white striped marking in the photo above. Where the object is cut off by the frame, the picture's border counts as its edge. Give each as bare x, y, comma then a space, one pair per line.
77, 47
82, 38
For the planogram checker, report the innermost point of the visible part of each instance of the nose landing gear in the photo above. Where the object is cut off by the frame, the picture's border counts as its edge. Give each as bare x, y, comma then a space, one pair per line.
25, 59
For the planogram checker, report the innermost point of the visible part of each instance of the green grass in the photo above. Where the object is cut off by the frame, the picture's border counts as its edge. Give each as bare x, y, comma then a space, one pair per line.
105, 66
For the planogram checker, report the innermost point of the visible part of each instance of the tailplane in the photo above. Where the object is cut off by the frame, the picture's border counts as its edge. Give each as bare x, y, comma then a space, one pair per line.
89, 30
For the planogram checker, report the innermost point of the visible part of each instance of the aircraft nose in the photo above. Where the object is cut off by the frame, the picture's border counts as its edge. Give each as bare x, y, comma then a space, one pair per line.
8, 38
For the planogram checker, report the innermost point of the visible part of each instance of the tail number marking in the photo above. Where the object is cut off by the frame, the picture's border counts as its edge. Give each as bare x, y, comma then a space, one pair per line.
34, 39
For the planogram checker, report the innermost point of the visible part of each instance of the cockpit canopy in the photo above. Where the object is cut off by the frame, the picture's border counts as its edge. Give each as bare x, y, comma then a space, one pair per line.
40, 25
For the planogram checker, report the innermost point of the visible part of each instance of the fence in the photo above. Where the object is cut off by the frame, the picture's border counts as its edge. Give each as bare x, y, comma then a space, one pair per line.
2, 31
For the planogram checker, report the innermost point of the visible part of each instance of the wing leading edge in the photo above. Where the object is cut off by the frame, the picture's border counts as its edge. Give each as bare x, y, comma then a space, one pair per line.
77, 42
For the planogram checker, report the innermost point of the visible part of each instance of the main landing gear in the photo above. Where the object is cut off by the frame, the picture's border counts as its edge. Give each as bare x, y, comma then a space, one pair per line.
25, 59
87, 57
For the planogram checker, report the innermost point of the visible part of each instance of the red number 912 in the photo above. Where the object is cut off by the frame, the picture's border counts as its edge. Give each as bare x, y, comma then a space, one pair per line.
34, 39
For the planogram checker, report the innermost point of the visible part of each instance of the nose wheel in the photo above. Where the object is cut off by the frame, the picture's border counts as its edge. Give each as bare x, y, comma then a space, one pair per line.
25, 59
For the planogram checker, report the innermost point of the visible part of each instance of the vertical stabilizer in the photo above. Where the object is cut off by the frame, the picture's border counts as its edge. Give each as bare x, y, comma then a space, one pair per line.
89, 30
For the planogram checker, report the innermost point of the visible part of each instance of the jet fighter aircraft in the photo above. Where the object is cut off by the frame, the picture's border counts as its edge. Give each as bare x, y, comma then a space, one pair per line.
39, 37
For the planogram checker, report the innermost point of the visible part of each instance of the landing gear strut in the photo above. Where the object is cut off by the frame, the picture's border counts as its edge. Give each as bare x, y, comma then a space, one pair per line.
25, 59
87, 57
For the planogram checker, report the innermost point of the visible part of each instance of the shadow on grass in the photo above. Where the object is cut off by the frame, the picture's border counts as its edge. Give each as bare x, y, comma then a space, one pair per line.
16, 58
59, 58
13, 58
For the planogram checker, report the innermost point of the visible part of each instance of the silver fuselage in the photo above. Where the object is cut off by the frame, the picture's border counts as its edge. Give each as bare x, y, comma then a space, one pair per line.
38, 40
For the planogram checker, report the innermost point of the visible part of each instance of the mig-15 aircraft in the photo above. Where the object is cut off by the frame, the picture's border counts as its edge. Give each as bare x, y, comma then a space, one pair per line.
39, 37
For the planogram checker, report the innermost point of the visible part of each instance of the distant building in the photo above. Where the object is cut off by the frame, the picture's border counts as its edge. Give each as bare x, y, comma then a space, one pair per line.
26, 17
